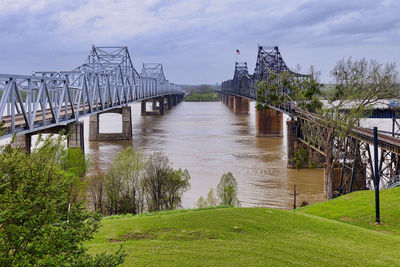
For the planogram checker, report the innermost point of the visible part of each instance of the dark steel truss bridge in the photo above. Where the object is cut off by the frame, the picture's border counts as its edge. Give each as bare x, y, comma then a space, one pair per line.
354, 170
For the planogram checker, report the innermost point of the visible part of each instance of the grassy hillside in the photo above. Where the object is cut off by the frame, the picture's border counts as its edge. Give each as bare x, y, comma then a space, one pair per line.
358, 208
243, 237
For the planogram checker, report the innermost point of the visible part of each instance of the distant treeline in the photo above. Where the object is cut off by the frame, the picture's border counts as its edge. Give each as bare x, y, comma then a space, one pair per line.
202, 92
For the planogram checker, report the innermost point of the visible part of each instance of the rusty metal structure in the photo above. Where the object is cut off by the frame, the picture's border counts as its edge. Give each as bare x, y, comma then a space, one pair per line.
354, 168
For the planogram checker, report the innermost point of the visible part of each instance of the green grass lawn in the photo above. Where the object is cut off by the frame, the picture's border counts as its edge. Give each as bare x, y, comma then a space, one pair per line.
358, 208
244, 237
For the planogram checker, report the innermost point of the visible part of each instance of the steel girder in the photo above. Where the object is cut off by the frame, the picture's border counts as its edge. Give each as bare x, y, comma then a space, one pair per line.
105, 81
269, 60
354, 156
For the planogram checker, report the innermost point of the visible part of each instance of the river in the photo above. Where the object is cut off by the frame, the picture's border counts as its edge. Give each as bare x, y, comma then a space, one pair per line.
209, 140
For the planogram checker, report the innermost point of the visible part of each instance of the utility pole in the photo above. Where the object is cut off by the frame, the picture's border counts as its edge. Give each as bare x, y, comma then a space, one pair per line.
294, 197
376, 177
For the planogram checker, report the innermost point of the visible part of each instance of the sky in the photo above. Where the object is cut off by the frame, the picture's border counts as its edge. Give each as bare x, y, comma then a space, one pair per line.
196, 40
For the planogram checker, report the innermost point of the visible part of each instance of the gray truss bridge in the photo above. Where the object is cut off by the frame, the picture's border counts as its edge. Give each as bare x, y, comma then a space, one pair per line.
49, 101
354, 170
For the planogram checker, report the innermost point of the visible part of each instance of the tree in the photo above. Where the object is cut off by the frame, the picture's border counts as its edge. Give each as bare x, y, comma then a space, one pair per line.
358, 86
177, 183
124, 183
211, 199
39, 225
201, 203
227, 190
163, 185
157, 171
96, 189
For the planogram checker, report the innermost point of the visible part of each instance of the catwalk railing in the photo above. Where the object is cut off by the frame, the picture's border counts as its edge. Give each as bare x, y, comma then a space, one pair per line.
105, 81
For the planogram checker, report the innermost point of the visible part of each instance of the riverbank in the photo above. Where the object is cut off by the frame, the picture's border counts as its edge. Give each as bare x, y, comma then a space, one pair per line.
253, 236
201, 97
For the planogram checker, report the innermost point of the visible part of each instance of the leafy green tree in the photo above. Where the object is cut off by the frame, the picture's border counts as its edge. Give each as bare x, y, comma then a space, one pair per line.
39, 225
177, 183
124, 183
201, 202
211, 199
284, 87
227, 190
163, 185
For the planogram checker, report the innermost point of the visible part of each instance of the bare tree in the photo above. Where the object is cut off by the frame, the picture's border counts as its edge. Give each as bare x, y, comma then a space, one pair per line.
96, 189
157, 171
164, 186
124, 183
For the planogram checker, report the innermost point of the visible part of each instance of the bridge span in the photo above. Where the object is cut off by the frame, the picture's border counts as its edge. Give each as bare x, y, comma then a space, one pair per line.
354, 169
107, 82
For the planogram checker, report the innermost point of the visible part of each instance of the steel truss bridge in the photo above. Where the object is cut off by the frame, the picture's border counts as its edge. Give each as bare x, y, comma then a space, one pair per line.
355, 169
107, 80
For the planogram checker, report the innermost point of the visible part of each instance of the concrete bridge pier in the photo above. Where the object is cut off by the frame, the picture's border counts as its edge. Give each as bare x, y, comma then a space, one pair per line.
143, 107
154, 104
173, 99
269, 123
231, 102
94, 123
161, 105
76, 136
24, 142
224, 98
241, 106
169, 102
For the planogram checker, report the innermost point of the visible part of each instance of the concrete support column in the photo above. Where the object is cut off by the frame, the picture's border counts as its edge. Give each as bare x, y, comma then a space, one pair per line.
154, 105
126, 123
169, 104
76, 137
231, 102
143, 108
173, 97
95, 135
93, 127
269, 123
241, 106
161, 101
291, 142
23, 142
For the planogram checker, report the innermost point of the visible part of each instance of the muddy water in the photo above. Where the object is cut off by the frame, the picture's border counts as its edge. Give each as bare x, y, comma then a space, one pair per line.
208, 139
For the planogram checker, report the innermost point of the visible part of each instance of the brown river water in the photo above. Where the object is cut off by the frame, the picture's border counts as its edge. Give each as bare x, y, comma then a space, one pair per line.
209, 140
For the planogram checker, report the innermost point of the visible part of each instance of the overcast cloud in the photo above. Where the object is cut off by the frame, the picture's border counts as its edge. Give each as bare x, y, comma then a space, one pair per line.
196, 39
